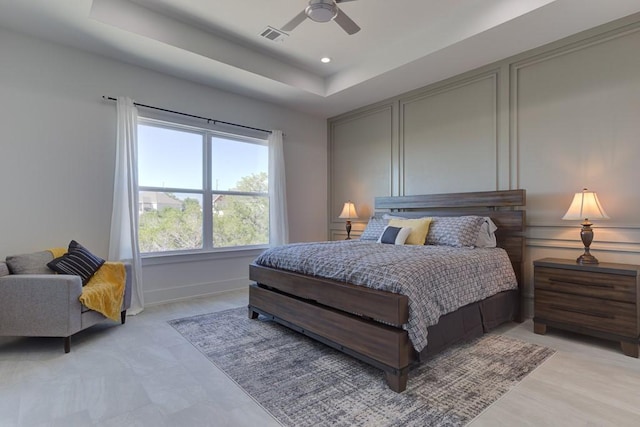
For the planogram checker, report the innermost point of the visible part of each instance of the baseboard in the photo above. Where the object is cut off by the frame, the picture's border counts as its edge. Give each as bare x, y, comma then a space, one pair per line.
177, 293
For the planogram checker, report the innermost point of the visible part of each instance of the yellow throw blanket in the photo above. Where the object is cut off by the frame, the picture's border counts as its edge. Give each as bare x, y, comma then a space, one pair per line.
104, 292
57, 252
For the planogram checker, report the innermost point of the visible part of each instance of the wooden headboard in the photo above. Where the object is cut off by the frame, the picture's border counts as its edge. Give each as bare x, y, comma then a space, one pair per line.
505, 208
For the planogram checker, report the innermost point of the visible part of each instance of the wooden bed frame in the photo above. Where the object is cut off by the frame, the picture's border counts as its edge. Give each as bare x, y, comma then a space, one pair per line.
322, 308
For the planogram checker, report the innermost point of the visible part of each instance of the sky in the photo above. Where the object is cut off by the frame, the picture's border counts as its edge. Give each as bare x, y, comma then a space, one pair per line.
173, 159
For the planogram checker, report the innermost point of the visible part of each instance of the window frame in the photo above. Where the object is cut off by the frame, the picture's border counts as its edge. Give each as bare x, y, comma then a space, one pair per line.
206, 192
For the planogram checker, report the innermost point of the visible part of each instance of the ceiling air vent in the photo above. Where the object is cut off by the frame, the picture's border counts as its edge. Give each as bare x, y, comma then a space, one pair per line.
273, 34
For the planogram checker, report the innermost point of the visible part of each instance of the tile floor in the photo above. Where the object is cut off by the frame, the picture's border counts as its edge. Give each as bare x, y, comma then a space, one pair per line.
145, 374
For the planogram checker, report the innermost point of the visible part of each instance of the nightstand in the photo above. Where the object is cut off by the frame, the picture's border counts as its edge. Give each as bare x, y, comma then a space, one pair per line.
598, 299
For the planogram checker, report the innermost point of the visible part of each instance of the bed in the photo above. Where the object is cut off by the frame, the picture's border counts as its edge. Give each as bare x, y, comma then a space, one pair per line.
371, 324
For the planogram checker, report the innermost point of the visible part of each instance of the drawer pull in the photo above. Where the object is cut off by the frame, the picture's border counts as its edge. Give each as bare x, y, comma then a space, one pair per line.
593, 285
579, 311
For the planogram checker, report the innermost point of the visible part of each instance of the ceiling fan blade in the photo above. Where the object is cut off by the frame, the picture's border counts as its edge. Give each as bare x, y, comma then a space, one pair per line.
297, 20
346, 23
343, 1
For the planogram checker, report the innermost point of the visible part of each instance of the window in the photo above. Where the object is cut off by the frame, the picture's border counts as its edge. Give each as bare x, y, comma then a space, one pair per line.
200, 189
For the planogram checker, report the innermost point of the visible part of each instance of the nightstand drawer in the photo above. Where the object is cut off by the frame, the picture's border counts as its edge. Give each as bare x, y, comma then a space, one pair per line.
589, 284
601, 315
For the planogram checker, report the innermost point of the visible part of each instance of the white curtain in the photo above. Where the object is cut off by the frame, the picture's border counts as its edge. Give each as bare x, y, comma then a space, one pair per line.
123, 243
278, 222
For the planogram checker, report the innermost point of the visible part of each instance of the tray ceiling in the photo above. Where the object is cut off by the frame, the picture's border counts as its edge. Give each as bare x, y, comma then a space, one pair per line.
403, 44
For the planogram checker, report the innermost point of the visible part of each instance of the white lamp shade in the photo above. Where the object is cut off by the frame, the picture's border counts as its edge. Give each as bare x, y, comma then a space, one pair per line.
585, 205
348, 211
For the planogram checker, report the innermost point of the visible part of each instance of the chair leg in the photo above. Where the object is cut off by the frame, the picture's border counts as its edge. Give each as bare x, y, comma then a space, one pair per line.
67, 344
123, 316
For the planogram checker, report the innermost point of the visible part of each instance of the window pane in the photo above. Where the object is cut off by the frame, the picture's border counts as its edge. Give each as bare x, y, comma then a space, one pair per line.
169, 158
240, 220
169, 222
236, 162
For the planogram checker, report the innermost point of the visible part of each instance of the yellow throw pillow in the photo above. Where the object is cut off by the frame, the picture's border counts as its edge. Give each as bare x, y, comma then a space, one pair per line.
419, 229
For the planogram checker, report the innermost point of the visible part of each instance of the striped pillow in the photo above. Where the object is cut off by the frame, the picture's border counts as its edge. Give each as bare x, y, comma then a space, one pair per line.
77, 262
394, 235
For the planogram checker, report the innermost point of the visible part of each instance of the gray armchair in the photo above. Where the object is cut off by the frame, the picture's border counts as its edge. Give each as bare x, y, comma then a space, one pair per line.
47, 305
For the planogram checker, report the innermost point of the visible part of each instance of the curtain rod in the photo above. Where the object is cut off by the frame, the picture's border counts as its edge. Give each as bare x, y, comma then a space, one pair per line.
110, 98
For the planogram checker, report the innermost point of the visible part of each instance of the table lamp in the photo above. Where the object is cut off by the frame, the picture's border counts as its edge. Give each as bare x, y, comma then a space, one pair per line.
348, 213
585, 206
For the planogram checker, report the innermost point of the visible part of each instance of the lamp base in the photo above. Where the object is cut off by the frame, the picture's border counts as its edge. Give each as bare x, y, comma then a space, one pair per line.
587, 259
586, 235
348, 227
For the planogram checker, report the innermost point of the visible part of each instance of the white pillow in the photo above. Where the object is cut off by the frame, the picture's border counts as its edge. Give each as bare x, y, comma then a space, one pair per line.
394, 235
486, 235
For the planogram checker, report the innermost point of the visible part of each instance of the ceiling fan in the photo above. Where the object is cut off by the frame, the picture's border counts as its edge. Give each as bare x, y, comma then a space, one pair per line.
324, 11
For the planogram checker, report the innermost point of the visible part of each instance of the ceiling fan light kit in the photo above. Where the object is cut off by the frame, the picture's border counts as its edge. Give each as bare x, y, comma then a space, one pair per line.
321, 10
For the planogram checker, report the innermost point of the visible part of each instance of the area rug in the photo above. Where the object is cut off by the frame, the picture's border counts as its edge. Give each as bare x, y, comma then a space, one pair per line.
304, 383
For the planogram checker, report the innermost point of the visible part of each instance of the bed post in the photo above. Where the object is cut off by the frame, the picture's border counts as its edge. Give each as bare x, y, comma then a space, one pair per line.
252, 314
397, 381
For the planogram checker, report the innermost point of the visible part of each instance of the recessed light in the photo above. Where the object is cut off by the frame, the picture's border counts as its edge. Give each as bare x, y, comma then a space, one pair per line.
325, 60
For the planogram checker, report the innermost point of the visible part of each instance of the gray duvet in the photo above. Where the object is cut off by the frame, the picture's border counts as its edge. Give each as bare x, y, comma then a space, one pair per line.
437, 279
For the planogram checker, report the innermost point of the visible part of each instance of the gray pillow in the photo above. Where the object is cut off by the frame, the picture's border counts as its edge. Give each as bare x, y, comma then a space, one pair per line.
33, 263
458, 231
4, 270
374, 229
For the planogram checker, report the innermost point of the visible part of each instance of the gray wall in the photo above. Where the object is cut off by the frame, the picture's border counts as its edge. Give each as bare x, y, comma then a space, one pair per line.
551, 121
57, 158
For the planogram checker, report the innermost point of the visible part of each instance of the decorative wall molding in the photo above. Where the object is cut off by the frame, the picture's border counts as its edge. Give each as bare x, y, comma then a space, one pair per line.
597, 39
335, 206
431, 91
342, 234
450, 85
599, 246
536, 58
619, 237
